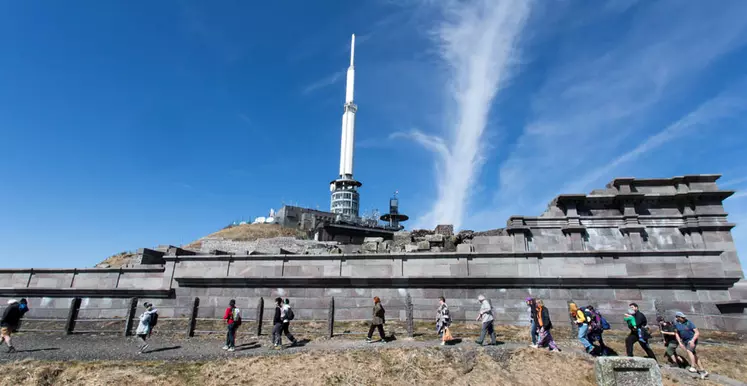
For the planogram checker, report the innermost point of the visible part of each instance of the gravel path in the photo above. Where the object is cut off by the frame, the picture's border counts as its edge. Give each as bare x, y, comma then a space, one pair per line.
88, 347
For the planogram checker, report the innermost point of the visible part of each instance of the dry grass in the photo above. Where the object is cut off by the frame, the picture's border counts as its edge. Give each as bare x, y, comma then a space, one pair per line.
118, 260
251, 232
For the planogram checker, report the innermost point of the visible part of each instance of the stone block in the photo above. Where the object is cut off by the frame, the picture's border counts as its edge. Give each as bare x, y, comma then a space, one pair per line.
424, 245
373, 239
369, 247
445, 229
385, 246
435, 249
625, 371
465, 248
409, 248
437, 238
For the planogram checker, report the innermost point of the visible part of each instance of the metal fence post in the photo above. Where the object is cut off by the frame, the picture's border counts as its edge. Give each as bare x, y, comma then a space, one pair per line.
408, 312
260, 315
72, 315
193, 318
130, 317
331, 318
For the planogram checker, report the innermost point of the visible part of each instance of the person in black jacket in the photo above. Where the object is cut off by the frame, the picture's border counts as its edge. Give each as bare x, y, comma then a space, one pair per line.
11, 320
277, 325
640, 333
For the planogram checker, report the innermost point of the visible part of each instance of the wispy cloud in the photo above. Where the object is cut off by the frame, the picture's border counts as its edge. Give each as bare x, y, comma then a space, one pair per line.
477, 42
324, 82
733, 182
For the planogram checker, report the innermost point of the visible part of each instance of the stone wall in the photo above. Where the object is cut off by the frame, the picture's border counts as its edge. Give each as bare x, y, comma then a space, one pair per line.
662, 243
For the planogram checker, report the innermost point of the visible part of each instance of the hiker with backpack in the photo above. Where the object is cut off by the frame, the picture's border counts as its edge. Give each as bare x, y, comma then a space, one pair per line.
544, 325
286, 314
669, 334
597, 326
486, 316
232, 316
377, 321
532, 311
582, 320
148, 320
277, 325
11, 320
637, 324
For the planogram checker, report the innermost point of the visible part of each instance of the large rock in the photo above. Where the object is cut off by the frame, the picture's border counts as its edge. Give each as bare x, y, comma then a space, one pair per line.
445, 229
385, 246
437, 238
424, 245
627, 371
370, 247
411, 248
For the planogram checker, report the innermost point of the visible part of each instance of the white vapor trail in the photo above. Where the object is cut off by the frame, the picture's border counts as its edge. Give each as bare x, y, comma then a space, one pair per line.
477, 42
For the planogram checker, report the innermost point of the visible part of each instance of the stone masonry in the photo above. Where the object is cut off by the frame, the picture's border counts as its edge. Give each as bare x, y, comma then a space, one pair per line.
663, 243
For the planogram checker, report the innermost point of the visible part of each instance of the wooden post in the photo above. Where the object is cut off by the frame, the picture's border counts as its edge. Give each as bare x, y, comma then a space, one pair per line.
408, 312
193, 318
130, 317
331, 318
260, 315
72, 315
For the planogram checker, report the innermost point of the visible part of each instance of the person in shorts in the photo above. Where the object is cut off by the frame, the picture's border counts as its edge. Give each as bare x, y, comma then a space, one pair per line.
670, 341
687, 337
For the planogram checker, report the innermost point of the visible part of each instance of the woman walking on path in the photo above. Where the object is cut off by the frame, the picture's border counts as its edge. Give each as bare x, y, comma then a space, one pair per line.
377, 320
532, 311
582, 321
545, 325
147, 321
443, 319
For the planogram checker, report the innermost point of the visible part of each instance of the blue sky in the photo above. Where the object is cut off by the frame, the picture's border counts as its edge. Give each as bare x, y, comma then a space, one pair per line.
131, 124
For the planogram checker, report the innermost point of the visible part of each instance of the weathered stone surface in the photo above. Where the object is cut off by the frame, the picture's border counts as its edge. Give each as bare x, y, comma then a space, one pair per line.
373, 239
627, 371
369, 247
465, 248
424, 245
437, 238
411, 248
445, 229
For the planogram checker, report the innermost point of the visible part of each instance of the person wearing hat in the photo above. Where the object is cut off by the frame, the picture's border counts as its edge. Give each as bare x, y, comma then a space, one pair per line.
147, 322
687, 337
486, 316
670, 340
11, 320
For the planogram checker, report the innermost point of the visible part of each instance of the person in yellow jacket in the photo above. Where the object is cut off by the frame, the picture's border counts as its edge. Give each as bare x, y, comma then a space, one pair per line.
579, 316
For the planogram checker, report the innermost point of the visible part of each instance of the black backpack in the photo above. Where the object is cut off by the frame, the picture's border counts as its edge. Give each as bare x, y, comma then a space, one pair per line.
153, 320
289, 314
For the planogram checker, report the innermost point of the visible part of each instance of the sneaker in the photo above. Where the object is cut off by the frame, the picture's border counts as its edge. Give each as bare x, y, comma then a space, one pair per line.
294, 343
555, 350
443, 343
368, 340
703, 375
692, 369
225, 347
533, 346
478, 343
277, 347
231, 349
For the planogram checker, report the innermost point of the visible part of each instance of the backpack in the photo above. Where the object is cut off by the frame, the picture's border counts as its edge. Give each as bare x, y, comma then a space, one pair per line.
236, 317
153, 320
604, 323
289, 314
589, 318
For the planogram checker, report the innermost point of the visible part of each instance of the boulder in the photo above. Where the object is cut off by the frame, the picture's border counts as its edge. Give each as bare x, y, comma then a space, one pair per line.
411, 248
437, 238
627, 371
449, 244
445, 229
385, 246
370, 247
424, 245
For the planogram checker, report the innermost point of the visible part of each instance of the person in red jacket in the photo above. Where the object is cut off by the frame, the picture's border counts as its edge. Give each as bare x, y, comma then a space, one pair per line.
233, 320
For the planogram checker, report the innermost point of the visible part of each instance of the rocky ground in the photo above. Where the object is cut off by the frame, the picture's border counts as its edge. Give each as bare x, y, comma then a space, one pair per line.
44, 359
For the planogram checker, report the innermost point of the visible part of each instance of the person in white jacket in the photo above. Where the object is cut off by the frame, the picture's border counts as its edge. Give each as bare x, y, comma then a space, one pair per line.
486, 316
147, 321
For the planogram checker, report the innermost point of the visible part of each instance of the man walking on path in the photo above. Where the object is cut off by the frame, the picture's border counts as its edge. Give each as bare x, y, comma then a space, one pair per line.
377, 321
639, 333
687, 337
277, 325
670, 341
287, 315
486, 316
11, 320
232, 317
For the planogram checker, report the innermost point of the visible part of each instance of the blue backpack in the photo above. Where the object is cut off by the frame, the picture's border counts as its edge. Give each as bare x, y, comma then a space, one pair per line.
605, 324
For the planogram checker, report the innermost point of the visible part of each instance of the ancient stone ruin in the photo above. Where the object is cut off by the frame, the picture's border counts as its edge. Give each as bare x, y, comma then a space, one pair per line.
663, 243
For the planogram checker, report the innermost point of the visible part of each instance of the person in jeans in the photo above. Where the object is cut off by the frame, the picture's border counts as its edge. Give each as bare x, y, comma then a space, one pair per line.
232, 318
582, 322
277, 325
532, 311
486, 316
286, 309
670, 341
687, 337
544, 325
638, 332
377, 320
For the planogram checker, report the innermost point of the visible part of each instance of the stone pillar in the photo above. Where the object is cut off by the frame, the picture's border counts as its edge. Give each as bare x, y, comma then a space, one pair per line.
331, 318
260, 315
131, 312
193, 318
408, 312
520, 233
72, 316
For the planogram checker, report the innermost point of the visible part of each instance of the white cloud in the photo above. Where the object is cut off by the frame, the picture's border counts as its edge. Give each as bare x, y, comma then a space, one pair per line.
477, 42
324, 82
732, 182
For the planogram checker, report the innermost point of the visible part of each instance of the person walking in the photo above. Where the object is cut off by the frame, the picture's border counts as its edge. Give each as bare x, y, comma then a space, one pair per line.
287, 315
277, 325
443, 319
638, 332
11, 320
582, 322
596, 328
486, 316
378, 320
148, 320
232, 316
544, 325
687, 337
670, 341
532, 313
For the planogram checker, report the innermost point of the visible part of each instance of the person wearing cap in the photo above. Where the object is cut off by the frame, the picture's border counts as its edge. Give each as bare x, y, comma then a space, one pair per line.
670, 340
532, 311
11, 320
687, 337
147, 319
232, 316
486, 316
